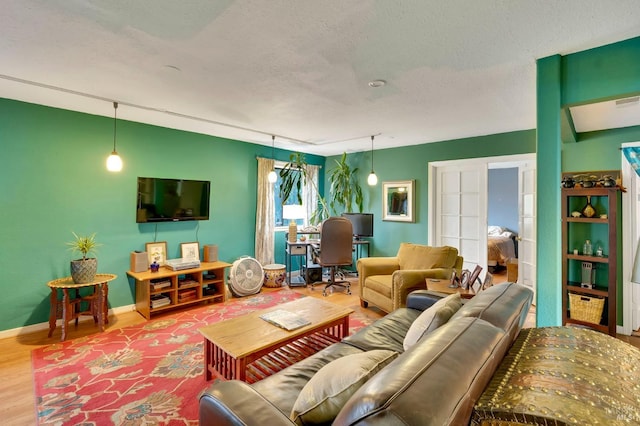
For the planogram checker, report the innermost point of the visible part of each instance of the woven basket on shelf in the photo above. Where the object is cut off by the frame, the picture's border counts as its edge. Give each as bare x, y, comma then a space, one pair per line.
586, 308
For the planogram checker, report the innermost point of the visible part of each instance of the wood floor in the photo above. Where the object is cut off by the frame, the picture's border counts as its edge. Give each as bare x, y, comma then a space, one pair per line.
17, 393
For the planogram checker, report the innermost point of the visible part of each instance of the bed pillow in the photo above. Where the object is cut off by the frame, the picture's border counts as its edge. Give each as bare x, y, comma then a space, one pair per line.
432, 318
330, 388
494, 231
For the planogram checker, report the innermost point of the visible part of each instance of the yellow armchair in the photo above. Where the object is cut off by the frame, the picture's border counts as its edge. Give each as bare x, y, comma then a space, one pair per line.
386, 281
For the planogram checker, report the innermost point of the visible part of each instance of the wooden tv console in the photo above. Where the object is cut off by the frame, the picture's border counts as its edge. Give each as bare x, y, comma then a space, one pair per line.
183, 288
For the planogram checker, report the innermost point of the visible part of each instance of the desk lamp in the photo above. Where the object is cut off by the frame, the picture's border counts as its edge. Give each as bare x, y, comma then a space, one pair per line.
293, 212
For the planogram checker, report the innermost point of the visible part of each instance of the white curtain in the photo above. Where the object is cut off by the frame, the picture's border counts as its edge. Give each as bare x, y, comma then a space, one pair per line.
265, 214
310, 193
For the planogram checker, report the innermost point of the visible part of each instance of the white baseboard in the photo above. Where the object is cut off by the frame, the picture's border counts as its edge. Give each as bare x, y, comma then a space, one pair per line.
44, 326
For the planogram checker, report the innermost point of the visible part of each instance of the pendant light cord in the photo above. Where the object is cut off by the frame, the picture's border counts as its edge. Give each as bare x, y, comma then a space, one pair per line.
273, 147
371, 153
115, 120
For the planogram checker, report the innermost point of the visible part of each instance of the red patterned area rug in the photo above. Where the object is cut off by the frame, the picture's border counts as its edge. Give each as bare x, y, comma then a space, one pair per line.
151, 373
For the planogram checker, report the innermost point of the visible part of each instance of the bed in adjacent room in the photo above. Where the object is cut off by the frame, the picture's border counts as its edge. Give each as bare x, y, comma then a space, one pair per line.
501, 246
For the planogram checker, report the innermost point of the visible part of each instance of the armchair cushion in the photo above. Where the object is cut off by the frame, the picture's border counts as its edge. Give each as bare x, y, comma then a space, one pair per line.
416, 256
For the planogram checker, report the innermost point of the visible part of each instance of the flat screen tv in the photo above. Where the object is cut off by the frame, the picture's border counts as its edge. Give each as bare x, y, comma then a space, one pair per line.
172, 200
362, 224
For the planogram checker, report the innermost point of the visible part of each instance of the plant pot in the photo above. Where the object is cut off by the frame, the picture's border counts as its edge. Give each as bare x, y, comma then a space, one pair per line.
84, 270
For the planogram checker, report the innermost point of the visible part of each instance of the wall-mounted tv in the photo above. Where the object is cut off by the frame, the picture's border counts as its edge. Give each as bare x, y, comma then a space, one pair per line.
172, 200
362, 224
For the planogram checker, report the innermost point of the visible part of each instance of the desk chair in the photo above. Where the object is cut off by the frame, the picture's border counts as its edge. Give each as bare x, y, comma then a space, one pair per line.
336, 244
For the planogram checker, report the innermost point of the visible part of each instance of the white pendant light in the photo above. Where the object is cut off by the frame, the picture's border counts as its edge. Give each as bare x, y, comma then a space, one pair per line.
372, 180
114, 162
272, 177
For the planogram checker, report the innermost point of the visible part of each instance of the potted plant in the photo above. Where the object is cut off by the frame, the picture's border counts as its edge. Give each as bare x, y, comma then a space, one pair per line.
84, 270
345, 187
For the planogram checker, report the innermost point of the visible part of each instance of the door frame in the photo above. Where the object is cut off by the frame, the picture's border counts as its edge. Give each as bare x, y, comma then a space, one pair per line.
630, 235
485, 162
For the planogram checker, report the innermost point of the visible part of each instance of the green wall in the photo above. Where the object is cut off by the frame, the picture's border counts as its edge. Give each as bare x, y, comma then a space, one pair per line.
52, 165
55, 181
412, 163
593, 75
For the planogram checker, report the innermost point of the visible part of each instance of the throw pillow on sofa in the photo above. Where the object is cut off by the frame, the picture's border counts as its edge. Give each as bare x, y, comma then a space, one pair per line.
330, 388
432, 318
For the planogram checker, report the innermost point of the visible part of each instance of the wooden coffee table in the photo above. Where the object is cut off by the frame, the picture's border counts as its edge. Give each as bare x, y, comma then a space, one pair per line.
249, 348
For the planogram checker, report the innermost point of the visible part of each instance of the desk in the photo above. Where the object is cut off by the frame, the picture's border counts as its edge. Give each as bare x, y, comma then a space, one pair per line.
70, 305
442, 286
301, 249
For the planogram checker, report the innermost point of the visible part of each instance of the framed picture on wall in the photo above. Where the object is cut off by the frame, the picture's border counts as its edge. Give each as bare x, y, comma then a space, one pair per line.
190, 251
157, 252
398, 201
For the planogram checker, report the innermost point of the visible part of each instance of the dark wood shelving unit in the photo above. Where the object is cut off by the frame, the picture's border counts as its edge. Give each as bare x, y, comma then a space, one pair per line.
574, 232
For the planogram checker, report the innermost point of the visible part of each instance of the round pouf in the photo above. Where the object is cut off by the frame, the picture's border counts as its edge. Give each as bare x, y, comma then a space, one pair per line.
274, 275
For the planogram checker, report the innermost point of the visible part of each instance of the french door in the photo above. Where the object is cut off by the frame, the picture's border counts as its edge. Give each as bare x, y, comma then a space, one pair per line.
461, 212
458, 210
527, 224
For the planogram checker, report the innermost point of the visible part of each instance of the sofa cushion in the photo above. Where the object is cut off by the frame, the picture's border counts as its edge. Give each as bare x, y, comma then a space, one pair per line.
417, 256
504, 305
385, 333
283, 387
432, 318
329, 389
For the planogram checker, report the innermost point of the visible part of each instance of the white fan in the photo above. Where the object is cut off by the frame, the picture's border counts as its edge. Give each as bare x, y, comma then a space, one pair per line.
246, 276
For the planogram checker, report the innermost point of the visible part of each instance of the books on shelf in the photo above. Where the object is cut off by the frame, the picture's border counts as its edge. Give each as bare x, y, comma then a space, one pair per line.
285, 319
158, 285
186, 282
158, 300
210, 290
187, 295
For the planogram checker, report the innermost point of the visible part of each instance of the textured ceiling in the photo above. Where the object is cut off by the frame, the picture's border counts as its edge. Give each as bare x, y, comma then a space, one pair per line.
300, 70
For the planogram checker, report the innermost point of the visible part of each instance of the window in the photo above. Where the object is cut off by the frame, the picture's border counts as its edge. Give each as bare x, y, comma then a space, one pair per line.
293, 199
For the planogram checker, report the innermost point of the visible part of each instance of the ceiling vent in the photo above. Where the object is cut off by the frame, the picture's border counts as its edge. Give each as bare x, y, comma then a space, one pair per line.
627, 101
613, 114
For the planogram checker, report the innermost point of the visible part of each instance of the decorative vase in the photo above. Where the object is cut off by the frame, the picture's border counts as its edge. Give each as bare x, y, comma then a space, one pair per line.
588, 210
293, 232
84, 270
568, 182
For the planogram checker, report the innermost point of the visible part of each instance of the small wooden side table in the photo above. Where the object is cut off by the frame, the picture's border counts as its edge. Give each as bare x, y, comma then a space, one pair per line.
442, 286
70, 303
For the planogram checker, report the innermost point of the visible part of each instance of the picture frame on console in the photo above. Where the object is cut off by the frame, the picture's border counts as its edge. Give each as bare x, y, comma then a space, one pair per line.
190, 251
157, 252
398, 201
